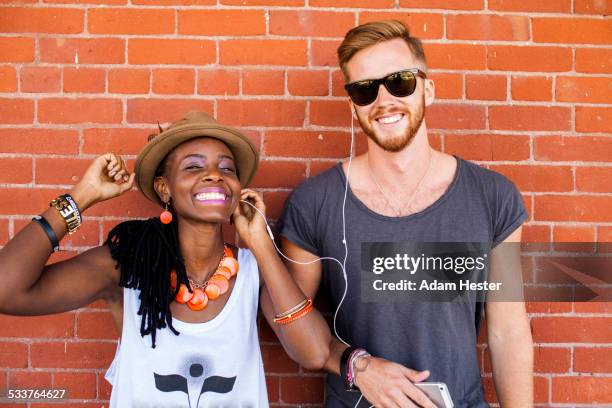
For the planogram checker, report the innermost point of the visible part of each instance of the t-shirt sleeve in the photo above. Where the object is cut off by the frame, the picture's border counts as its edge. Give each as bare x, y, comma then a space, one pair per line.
510, 212
297, 223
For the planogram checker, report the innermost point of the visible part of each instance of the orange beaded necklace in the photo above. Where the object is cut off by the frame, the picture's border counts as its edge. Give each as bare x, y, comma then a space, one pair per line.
217, 285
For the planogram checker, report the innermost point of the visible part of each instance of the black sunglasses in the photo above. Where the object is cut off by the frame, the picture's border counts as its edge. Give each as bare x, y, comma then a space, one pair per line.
400, 84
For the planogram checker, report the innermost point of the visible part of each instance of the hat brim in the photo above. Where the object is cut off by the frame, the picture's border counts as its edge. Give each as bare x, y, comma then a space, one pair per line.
245, 154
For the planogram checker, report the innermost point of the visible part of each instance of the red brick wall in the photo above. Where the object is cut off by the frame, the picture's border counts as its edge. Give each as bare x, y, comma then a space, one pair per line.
524, 87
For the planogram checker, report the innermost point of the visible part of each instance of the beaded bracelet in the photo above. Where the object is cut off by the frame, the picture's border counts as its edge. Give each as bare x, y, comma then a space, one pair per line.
292, 310
296, 315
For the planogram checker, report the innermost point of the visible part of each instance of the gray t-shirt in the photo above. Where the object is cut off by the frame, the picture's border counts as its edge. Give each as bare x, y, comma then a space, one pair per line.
478, 206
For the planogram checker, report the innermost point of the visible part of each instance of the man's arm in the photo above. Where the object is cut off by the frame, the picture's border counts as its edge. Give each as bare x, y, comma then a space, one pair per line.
509, 333
383, 383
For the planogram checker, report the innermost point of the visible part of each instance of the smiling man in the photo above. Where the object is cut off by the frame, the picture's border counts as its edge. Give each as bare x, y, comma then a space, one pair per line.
402, 190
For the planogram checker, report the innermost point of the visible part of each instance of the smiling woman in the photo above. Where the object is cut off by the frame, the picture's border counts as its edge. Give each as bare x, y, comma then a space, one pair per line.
185, 302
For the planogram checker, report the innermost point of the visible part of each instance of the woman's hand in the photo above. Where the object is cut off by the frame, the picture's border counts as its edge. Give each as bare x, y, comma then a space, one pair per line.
106, 177
250, 223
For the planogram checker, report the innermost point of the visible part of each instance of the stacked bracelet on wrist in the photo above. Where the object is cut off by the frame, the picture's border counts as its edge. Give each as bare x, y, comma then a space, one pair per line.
296, 312
348, 370
69, 211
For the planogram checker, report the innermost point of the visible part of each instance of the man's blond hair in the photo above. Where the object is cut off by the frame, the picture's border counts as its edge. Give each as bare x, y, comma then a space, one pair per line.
375, 32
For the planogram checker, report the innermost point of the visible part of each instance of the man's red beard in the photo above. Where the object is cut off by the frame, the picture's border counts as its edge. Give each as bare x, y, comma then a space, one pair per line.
397, 143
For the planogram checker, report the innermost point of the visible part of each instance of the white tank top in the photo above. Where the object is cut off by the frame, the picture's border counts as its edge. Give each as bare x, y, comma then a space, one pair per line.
212, 364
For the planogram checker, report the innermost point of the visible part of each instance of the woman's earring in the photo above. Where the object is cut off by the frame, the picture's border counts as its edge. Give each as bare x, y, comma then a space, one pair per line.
166, 216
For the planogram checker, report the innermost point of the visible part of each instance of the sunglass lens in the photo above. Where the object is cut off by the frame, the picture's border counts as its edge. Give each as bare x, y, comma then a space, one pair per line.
364, 92
401, 84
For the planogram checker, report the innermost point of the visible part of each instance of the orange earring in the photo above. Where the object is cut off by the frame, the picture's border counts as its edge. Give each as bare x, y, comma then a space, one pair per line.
166, 216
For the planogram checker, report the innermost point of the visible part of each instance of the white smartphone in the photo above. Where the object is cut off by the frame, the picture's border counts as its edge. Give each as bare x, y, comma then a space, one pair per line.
437, 393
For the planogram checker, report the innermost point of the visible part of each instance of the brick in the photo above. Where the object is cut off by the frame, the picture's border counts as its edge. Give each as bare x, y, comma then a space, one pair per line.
529, 118
29, 380
455, 56
330, 113
540, 6
593, 119
16, 170
60, 171
572, 30
448, 85
273, 387
562, 233
323, 53
572, 329
351, 3
551, 359
130, 21
4, 233
96, 325
40, 79
486, 87
444, 4
306, 144
421, 25
77, 385
600, 7
262, 112
84, 80
275, 202
276, 360
131, 204
196, 52
530, 59
531, 88
104, 387
174, 81
308, 82
594, 60
41, 20
222, 22
51, 326
84, 50
263, 82
584, 89
13, 355
455, 116
593, 307
569, 148
486, 147
121, 140
303, 389
175, 2
60, 110
72, 355
8, 79
279, 174
128, 81
39, 141
582, 390
16, 49
218, 82
106, 2
338, 84
16, 111
487, 27
593, 359
536, 233
578, 208
549, 307
262, 52
303, 23
147, 110
594, 179
538, 178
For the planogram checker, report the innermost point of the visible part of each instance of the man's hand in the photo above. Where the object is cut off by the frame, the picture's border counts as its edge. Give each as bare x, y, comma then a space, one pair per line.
387, 384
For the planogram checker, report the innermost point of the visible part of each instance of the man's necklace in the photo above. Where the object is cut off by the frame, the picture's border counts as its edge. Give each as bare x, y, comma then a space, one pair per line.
412, 197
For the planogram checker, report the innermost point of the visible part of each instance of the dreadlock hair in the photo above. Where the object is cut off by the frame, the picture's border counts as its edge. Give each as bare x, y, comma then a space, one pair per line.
147, 251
